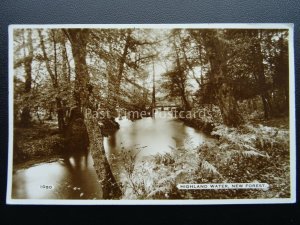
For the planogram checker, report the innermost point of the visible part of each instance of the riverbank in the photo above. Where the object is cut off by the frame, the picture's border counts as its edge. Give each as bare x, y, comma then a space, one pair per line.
204, 126
213, 118
37, 144
205, 119
252, 153
43, 143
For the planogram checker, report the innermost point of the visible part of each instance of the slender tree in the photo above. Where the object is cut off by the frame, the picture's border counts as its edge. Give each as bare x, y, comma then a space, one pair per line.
259, 72
27, 62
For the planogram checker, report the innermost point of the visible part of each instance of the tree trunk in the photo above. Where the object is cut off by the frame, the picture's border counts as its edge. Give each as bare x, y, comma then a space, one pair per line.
121, 71
60, 116
222, 85
185, 102
78, 39
66, 64
25, 115
260, 74
110, 188
228, 106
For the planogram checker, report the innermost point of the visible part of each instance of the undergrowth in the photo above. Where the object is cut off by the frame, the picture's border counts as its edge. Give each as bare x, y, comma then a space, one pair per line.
35, 142
245, 154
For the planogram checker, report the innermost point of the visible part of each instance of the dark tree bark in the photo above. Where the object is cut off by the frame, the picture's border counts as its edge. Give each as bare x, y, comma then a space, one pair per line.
259, 73
110, 187
223, 87
78, 39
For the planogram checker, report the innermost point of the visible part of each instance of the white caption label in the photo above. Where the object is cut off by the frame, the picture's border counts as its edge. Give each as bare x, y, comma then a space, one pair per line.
218, 186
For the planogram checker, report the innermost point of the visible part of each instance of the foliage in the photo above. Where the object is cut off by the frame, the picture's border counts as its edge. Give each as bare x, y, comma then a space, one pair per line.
118, 61
245, 154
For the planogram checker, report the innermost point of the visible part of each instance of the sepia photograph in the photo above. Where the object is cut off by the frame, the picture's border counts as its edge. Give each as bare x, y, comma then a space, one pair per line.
151, 114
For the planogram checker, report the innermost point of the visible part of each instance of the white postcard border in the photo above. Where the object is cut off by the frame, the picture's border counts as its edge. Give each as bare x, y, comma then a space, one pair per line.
292, 117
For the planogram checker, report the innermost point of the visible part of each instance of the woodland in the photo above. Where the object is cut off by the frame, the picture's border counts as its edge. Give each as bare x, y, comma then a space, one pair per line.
237, 78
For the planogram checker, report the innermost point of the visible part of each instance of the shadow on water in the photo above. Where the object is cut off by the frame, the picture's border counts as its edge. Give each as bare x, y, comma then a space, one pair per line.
77, 161
72, 177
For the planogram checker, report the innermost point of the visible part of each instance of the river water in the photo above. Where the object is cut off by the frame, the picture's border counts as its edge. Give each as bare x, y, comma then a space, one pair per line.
78, 179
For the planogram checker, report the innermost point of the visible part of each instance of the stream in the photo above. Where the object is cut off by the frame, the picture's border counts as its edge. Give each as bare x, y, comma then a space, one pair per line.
78, 179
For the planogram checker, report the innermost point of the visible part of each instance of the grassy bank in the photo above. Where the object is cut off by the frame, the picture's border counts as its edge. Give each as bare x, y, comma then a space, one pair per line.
37, 143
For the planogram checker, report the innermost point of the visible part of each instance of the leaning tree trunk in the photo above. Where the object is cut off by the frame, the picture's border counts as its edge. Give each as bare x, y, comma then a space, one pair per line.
110, 188
107, 180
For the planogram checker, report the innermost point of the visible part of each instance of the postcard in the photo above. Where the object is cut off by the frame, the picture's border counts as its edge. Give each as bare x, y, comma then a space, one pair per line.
151, 114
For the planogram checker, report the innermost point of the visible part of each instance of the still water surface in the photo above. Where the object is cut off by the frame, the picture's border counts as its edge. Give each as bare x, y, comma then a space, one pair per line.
57, 180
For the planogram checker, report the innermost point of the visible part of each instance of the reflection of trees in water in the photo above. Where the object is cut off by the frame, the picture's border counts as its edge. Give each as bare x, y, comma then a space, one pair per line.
81, 183
83, 135
78, 161
77, 140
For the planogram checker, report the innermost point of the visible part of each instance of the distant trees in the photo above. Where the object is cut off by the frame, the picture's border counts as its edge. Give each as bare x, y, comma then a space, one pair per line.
122, 55
26, 46
177, 75
57, 71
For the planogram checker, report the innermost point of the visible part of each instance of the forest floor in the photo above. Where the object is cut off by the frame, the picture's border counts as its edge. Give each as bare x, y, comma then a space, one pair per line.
280, 122
37, 144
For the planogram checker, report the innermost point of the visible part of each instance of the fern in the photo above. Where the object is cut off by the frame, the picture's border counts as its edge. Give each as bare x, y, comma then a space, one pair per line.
209, 167
252, 153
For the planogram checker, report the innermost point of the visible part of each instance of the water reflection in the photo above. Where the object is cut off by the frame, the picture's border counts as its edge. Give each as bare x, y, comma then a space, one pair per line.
75, 176
68, 180
157, 134
77, 161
